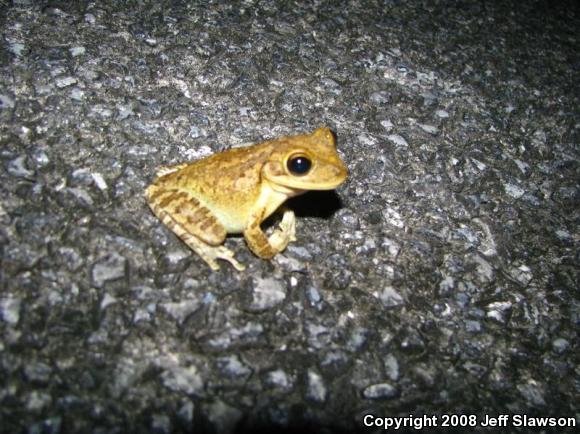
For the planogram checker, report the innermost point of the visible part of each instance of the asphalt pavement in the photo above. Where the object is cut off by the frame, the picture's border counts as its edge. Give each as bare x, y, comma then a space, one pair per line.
441, 279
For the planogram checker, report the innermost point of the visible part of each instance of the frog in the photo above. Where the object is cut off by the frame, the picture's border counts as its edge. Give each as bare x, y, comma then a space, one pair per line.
234, 191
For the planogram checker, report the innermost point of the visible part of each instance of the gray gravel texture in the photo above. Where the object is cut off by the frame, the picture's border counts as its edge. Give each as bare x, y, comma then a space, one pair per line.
441, 278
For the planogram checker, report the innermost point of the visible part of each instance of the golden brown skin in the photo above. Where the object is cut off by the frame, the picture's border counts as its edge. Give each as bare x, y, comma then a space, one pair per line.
236, 190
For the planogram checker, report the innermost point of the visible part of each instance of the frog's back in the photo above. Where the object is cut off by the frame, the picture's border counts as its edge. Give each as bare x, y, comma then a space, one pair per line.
233, 172
226, 183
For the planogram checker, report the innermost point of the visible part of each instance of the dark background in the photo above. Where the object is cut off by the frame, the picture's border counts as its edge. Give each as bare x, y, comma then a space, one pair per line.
442, 277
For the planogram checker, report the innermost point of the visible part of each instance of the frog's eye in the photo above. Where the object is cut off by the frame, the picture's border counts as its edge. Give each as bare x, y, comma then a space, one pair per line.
299, 165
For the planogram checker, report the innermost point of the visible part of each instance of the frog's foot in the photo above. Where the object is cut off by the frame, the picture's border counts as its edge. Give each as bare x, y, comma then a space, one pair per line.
225, 254
267, 247
292, 223
210, 254
285, 233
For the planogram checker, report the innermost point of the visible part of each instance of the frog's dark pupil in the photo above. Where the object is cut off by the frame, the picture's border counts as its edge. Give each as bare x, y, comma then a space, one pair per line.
299, 165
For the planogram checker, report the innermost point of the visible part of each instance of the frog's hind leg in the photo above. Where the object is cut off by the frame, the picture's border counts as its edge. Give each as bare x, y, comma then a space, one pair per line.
208, 253
193, 223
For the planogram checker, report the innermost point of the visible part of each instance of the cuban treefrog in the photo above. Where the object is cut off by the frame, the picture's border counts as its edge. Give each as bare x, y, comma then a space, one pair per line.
236, 190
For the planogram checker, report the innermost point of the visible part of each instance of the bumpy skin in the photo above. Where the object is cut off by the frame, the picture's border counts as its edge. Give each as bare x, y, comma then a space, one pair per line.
236, 190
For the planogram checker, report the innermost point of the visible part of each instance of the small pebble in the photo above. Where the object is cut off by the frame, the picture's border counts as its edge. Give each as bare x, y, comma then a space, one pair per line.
65, 82
398, 140
380, 391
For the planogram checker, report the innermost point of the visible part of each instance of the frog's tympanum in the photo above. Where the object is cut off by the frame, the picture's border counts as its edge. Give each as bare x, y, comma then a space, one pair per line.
234, 191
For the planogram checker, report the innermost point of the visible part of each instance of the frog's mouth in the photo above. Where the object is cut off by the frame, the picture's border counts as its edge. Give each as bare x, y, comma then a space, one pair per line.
287, 190
304, 186
293, 186
320, 176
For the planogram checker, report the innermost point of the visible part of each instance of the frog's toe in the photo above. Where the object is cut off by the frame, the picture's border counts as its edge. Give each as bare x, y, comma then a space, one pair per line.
292, 230
227, 255
288, 226
213, 265
238, 266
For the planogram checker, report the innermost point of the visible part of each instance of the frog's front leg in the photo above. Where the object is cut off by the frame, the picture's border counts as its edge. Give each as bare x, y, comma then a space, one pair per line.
286, 231
267, 247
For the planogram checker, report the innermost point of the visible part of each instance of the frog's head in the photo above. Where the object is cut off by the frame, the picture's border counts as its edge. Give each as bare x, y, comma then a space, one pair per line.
306, 162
